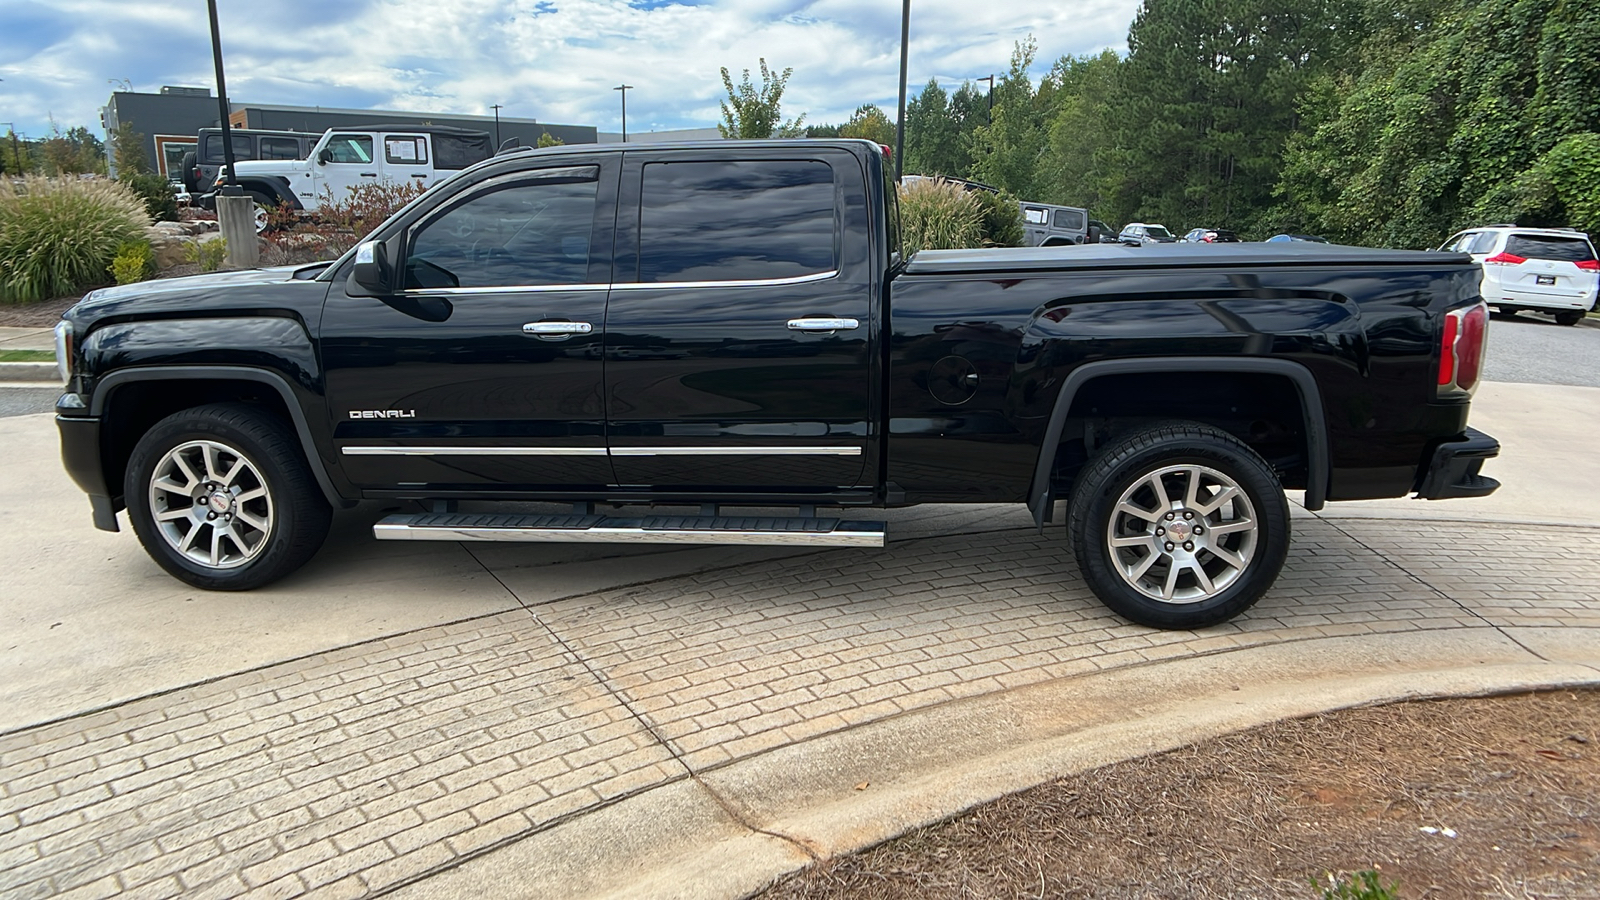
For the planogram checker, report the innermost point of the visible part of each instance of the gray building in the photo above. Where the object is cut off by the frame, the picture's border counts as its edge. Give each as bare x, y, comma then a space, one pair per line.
657, 137
171, 120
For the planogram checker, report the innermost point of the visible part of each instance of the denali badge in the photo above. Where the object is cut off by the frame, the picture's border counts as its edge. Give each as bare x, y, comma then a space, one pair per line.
383, 414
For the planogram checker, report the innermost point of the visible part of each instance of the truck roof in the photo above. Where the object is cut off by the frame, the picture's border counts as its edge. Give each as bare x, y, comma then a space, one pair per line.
1186, 256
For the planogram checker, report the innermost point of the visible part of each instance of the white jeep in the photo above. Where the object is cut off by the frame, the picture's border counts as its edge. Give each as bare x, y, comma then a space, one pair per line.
346, 157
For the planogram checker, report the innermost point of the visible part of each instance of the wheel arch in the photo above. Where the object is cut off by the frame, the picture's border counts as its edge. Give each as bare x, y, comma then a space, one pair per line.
1304, 384
129, 401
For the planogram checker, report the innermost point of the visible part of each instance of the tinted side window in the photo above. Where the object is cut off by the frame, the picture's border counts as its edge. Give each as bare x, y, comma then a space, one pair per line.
1068, 220
407, 150
1544, 246
1034, 216
241, 148
1481, 243
350, 148
521, 234
736, 221
280, 148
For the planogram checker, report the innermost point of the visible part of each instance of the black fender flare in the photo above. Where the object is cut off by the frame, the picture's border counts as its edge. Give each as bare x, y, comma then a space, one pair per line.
1316, 427
275, 186
108, 384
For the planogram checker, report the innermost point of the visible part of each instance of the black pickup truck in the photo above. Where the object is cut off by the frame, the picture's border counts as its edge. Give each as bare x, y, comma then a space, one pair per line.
658, 337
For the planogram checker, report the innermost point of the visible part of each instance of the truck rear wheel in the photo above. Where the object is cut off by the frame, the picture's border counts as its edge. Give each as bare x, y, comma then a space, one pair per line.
1178, 526
1570, 317
221, 498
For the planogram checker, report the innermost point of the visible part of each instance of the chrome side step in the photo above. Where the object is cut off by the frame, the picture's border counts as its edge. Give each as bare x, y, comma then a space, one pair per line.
809, 532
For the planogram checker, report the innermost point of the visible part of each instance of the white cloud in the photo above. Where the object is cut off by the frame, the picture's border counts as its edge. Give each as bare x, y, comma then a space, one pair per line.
556, 60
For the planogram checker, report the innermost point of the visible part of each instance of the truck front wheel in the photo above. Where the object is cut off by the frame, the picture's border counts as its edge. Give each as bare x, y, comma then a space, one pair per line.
222, 499
1178, 526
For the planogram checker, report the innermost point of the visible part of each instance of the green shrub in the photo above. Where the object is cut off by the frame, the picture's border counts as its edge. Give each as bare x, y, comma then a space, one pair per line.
157, 194
208, 255
1363, 885
135, 261
59, 235
1002, 218
938, 215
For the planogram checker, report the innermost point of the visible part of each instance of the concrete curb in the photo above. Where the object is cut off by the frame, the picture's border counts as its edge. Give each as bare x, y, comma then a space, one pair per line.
728, 831
42, 372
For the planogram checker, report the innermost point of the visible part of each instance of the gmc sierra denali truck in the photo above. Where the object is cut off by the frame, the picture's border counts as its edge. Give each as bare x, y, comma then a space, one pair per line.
658, 337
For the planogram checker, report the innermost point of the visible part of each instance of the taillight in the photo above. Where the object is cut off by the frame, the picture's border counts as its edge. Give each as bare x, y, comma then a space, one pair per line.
1589, 265
1506, 259
1461, 347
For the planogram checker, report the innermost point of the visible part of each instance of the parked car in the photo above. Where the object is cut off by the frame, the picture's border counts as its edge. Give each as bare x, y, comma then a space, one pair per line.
367, 154
1551, 270
1108, 235
199, 166
1141, 233
1046, 225
447, 357
1287, 238
1211, 236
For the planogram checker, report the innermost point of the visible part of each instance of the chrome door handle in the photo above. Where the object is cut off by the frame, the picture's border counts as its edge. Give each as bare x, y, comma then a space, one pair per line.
557, 330
820, 324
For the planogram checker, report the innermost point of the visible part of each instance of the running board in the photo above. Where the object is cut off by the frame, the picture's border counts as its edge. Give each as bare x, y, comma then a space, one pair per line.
808, 532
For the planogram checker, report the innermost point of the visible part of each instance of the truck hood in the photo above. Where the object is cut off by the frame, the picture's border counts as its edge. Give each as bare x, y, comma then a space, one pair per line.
198, 295
283, 167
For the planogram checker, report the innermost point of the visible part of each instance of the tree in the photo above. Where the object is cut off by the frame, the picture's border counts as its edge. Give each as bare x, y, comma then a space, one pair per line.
548, 140
72, 152
14, 156
752, 112
932, 139
870, 122
127, 148
1007, 153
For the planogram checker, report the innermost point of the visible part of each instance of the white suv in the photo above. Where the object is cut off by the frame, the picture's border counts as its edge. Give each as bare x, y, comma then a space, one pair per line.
1547, 269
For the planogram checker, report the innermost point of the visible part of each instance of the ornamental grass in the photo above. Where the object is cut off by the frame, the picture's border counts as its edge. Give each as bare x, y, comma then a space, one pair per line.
59, 235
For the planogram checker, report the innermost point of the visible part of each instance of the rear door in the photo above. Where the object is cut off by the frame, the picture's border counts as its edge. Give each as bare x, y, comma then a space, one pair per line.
1035, 224
1559, 266
739, 325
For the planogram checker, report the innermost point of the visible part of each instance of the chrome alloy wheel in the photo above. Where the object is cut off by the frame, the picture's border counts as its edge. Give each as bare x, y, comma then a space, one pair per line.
1182, 534
211, 504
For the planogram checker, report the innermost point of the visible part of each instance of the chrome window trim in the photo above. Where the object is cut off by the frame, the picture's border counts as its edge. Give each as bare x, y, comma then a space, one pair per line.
752, 282
736, 451
472, 451
502, 289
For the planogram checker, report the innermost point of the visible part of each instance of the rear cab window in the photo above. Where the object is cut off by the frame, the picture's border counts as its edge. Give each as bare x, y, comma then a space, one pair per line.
280, 148
747, 220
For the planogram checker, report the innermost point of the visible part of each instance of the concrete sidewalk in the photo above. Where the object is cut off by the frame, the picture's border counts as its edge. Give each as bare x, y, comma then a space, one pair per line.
513, 721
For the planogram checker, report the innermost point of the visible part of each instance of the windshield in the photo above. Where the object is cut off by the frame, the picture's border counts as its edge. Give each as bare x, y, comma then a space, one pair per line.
1157, 231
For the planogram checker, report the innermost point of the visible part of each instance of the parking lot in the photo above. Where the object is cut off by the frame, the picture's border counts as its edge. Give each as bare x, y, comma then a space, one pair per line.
445, 720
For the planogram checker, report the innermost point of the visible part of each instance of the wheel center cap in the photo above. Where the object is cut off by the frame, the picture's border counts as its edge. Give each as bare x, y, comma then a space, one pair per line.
1179, 531
220, 501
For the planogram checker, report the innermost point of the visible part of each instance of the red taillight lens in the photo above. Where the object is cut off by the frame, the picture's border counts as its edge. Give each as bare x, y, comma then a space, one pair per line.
1447, 350
1506, 259
1469, 349
1589, 265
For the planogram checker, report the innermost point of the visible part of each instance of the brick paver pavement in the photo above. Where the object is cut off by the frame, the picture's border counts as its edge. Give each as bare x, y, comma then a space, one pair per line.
351, 772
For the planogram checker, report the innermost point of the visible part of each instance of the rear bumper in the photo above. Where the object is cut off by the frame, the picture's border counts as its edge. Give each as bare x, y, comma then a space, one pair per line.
1496, 295
1453, 469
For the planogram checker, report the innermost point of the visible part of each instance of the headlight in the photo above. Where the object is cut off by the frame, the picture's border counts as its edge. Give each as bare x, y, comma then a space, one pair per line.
64, 350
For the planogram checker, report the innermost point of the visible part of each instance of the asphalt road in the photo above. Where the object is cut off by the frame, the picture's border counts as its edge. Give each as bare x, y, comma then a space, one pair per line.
1532, 349
1527, 348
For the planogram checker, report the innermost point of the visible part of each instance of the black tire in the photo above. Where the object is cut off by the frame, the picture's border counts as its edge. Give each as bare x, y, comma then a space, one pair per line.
186, 171
292, 507
1569, 317
1215, 456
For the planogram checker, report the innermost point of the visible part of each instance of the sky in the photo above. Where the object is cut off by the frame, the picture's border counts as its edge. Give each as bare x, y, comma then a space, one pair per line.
553, 60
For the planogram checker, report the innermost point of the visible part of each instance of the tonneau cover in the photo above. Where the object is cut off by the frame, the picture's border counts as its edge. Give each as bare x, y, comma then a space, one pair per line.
1157, 256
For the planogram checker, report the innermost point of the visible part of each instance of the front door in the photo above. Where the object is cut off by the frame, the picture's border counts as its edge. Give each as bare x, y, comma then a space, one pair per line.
738, 331
345, 161
406, 159
486, 369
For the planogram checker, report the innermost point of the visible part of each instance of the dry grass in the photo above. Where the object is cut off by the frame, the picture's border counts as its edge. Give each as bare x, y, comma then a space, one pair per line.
1255, 815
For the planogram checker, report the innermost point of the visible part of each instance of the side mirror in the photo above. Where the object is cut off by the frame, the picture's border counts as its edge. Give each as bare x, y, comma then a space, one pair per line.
324, 156
373, 273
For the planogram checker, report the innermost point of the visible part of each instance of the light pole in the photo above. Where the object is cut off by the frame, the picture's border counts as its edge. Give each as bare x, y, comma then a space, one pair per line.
900, 120
990, 79
624, 88
232, 187
496, 109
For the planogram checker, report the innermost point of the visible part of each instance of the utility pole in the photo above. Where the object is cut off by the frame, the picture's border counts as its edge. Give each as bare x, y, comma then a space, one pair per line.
232, 186
900, 119
497, 107
16, 148
236, 211
624, 88
990, 79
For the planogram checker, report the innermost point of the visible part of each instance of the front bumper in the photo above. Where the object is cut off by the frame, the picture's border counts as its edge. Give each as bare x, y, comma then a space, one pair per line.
1453, 469
80, 455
